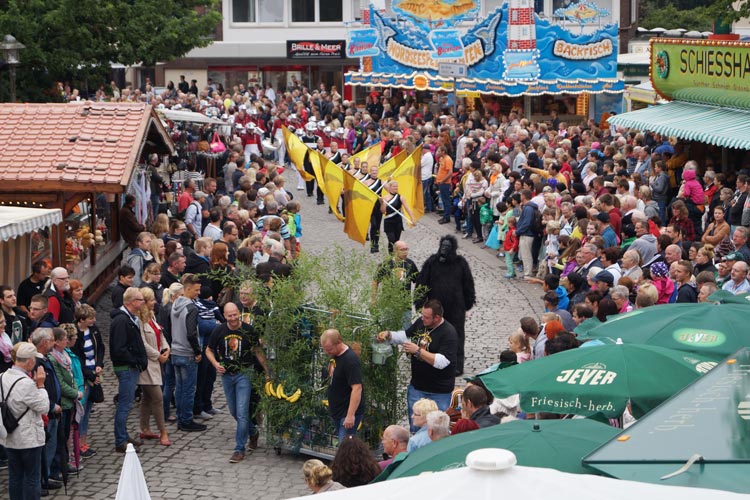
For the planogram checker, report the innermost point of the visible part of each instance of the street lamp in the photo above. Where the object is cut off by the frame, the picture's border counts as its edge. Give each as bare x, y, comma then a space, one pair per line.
10, 49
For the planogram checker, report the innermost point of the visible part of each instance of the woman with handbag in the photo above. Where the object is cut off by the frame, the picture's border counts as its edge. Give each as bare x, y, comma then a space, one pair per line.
157, 351
89, 348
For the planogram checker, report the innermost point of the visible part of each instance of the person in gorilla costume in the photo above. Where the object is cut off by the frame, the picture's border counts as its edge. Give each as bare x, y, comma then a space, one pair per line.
447, 277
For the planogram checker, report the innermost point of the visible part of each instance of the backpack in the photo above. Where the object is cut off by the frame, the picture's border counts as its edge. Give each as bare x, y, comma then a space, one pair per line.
7, 419
536, 225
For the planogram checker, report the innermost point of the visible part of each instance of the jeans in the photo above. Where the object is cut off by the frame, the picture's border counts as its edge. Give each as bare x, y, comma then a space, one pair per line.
50, 447
83, 426
427, 194
662, 211
167, 389
128, 381
206, 377
445, 196
341, 431
186, 373
24, 473
155, 199
237, 389
443, 400
469, 218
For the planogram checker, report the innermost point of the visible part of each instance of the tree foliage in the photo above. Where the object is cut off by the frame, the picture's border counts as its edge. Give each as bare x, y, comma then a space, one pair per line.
331, 291
77, 40
671, 15
698, 15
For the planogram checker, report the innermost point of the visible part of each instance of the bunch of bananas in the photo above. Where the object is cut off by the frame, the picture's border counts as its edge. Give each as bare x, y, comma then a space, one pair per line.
278, 392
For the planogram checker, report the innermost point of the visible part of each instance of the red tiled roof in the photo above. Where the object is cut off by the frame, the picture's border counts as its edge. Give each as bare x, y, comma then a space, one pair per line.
72, 147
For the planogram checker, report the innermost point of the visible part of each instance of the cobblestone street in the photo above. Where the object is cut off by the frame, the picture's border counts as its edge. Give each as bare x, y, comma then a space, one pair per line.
196, 465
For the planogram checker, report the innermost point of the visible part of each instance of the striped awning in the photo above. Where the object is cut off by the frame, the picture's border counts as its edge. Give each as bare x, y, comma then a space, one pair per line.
720, 126
17, 221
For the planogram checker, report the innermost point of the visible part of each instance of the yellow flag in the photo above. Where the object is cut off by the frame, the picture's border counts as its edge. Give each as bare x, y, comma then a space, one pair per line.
333, 184
296, 150
409, 178
371, 155
358, 203
317, 160
390, 166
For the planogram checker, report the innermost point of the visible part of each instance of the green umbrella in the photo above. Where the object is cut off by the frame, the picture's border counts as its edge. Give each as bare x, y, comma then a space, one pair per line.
599, 380
555, 444
714, 330
726, 297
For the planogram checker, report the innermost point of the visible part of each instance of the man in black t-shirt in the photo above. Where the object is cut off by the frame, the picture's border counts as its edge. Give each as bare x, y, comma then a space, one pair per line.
431, 342
32, 285
345, 396
232, 349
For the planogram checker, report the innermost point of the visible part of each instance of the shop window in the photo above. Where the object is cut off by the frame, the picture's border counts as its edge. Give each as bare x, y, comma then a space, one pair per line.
331, 11
79, 240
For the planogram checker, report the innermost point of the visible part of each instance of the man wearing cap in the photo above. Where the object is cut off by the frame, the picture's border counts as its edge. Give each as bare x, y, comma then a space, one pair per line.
603, 282
738, 282
27, 399
194, 216
605, 229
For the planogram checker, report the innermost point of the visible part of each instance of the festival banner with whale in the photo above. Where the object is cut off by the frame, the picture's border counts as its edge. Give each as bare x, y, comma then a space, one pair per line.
511, 52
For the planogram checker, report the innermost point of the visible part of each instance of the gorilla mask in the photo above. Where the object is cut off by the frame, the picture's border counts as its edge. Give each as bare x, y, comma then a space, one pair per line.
447, 249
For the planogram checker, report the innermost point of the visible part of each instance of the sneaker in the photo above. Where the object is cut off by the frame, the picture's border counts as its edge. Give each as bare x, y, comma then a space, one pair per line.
466, 236
51, 486
192, 427
3, 464
510, 276
204, 416
236, 457
215, 411
88, 453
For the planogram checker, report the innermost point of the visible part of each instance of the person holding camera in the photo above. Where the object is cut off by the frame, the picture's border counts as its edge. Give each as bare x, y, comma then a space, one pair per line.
22, 431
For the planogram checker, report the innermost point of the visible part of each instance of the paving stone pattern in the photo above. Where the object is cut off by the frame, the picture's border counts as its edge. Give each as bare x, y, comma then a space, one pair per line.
196, 465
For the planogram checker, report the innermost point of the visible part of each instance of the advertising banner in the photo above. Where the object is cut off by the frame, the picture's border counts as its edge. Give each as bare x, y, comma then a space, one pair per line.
315, 49
703, 71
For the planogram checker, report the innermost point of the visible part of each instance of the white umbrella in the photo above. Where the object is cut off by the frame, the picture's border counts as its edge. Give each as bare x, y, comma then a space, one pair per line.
132, 485
492, 474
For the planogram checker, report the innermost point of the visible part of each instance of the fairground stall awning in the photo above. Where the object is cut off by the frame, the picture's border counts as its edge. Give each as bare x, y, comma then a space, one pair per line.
511, 52
726, 127
17, 221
